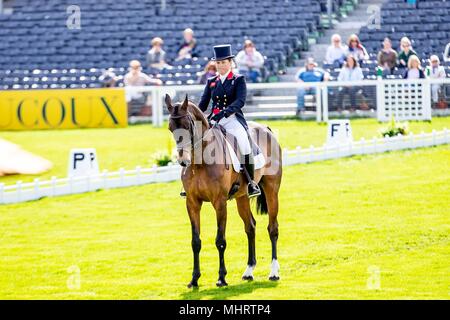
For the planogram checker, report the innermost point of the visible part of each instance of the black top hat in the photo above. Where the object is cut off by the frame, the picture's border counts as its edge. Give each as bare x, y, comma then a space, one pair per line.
222, 52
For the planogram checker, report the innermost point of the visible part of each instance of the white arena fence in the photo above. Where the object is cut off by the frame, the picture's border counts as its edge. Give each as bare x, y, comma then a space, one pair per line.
21, 192
403, 99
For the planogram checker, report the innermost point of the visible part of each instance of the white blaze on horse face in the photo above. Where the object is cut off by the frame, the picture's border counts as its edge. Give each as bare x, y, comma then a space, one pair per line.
275, 269
184, 143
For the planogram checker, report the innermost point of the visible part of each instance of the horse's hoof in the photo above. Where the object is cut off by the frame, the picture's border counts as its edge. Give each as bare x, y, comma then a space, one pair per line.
221, 283
274, 278
249, 278
192, 284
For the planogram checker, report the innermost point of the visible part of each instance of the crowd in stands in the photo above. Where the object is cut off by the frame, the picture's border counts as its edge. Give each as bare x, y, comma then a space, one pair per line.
348, 58
248, 62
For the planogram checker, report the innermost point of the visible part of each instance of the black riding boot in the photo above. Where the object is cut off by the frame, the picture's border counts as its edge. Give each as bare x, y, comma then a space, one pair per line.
253, 188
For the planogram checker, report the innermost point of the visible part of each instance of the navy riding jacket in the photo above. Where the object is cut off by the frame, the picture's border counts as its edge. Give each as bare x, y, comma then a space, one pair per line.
229, 96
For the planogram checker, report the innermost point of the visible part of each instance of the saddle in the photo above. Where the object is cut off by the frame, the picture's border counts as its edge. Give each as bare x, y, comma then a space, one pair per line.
233, 149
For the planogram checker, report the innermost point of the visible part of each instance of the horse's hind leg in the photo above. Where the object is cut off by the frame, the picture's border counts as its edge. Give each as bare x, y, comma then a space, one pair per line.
193, 207
243, 204
270, 185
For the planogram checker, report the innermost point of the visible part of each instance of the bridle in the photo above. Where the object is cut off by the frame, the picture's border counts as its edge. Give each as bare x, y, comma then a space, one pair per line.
194, 141
192, 131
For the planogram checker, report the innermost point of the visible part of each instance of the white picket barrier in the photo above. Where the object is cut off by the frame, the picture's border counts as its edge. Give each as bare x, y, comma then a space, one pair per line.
405, 99
21, 192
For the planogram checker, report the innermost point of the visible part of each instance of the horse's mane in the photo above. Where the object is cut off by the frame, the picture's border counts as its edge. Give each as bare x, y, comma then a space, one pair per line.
219, 137
197, 113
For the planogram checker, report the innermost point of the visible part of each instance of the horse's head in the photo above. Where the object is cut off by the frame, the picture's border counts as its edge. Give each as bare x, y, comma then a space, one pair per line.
181, 124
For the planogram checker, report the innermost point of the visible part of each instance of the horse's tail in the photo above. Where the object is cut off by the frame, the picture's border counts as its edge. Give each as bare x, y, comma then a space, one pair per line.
261, 203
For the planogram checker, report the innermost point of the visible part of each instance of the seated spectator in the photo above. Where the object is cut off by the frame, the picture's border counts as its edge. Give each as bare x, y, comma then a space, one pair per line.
387, 58
134, 78
210, 71
356, 49
311, 73
156, 56
249, 62
349, 72
413, 3
336, 52
187, 49
405, 53
435, 71
108, 79
414, 70
447, 52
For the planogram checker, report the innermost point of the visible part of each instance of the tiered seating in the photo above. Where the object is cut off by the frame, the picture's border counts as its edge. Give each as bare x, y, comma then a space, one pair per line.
39, 51
428, 27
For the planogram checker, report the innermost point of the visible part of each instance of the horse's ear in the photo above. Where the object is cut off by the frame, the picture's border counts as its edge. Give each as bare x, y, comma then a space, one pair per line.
168, 101
185, 103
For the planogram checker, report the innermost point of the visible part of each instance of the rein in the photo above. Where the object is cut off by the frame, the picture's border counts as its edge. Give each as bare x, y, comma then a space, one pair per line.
192, 131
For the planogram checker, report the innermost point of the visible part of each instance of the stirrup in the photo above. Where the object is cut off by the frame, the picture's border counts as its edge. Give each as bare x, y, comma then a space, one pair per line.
183, 194
253, 190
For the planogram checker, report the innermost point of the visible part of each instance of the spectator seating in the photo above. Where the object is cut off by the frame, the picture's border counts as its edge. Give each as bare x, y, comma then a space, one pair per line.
40, 51
428, 27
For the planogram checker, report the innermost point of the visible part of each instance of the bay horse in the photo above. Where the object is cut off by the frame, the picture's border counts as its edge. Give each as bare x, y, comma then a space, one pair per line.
217, 182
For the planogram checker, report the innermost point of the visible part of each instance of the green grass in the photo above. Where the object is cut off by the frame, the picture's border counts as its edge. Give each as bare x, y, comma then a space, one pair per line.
337, 219
136, 145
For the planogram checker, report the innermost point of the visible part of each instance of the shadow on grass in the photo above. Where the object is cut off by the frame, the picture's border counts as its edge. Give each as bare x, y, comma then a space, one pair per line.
227, 292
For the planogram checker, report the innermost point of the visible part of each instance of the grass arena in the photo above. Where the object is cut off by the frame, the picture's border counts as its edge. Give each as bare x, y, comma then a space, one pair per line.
116, 116
344, 224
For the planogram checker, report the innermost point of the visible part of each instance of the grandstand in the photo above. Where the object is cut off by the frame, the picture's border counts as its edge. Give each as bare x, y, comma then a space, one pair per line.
428, 28
40, 51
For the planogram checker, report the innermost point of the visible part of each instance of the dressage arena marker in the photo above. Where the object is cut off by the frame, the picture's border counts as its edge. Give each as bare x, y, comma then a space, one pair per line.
83, 162
22, 192
339, 131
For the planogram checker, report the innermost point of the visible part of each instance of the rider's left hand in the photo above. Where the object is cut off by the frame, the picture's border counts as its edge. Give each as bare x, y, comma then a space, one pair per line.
217, 117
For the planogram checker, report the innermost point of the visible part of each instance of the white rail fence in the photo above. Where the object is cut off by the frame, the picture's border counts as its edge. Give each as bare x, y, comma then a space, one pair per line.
21, 192
404, 99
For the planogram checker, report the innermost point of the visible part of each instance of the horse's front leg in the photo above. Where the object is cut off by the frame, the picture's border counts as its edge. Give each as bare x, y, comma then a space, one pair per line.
193, 207
221, 212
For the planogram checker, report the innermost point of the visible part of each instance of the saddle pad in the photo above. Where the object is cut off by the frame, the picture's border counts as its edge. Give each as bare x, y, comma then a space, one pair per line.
260, 161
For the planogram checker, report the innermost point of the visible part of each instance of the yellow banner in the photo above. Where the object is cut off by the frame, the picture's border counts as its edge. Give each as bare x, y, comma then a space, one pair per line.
63, 109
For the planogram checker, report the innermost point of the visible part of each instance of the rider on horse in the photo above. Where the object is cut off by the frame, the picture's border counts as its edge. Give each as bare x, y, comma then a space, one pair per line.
228, 92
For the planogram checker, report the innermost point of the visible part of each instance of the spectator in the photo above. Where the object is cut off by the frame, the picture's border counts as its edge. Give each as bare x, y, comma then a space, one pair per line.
414, 70
134, 78
350, 72
336, 52
405, 53
210, 71
311, 73
187, 49
447, 52
108, 79
356, 49
156, 56
387, 58
249, 62
435, 71
413, 3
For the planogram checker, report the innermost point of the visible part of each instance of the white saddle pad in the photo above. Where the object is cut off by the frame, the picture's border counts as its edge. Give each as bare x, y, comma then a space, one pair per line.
260, 161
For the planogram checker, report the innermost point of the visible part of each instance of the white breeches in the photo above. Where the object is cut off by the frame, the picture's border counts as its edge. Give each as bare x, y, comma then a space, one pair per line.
232, 126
